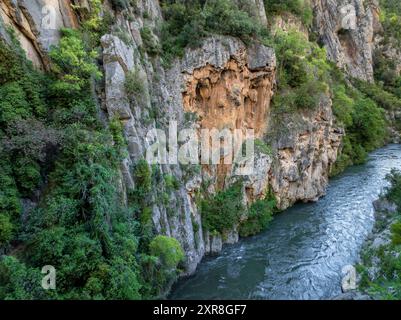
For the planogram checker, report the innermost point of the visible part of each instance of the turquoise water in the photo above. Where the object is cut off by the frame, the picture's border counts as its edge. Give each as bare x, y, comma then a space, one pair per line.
302, 253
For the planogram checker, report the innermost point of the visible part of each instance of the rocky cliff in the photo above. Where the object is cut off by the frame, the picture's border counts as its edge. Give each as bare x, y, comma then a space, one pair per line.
223, 84
347, 29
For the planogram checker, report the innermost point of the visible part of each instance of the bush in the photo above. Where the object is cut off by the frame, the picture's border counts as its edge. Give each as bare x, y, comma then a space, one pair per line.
6, 229
303, 72
150, 42
134, 84
262, 147
19, 282
14, 104
393, 192
143, 177
259, 216
382, 97
73, 65
299, 8
81, 224
171, 182
222, 212
187, 23
396, 233
343, 106
364, 122
369, 125
168, 250
9, 194
124, 281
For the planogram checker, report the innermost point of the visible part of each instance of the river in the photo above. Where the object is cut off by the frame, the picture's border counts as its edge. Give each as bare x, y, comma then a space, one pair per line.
302, 253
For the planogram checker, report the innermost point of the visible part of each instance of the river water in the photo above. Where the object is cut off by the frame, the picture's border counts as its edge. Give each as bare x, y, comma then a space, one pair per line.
302, 253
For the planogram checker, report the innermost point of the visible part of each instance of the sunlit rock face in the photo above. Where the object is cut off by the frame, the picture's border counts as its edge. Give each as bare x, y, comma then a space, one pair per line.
36, 24
347, 30
307, 148
225, 83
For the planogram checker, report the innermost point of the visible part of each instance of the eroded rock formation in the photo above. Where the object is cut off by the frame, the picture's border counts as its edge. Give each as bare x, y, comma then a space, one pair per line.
347, 29
227, 85
36, 24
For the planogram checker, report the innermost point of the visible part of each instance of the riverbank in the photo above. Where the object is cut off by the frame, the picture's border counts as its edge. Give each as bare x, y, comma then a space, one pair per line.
379, 271
302, 253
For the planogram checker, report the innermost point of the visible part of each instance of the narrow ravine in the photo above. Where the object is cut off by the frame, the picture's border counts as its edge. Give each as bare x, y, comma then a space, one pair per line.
302, 253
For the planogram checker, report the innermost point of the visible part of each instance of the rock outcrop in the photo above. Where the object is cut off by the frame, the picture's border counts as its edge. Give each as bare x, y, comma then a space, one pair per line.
347, 30
36, 24
224, 85
307, 147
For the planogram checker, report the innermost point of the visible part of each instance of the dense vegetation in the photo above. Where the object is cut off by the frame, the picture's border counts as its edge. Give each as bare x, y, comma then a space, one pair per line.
362, 106
305, 76
302, 71
225, 211
364, 122
386, 259
53, 142
300, 8
56, 151
189, 22
385, 72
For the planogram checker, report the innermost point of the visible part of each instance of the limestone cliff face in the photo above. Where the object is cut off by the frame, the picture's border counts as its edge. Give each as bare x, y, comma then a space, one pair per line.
225, 85
307, 147
36, 24
233, 95
347, 29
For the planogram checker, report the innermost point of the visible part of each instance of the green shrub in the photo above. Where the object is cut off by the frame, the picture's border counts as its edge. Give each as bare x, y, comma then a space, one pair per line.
383, 98
19, 282
9, 194
369, 124
73, 65
343, 106
80, 225
364, 122
168, 250
222, 212
259, 216
393, 192
143, 177
299, 8
262, 147
171, 182
303, 71
124, 281
134, 84
6, 229
117, 131
396, 233
187, 23
390, 17
14, 104
152, 47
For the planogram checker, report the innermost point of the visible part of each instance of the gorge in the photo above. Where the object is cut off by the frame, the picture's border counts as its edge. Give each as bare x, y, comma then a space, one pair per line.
86, 85
302, 253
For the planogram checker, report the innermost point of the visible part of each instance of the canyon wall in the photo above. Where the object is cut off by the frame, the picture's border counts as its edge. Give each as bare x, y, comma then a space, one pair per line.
347, 30
224, 84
